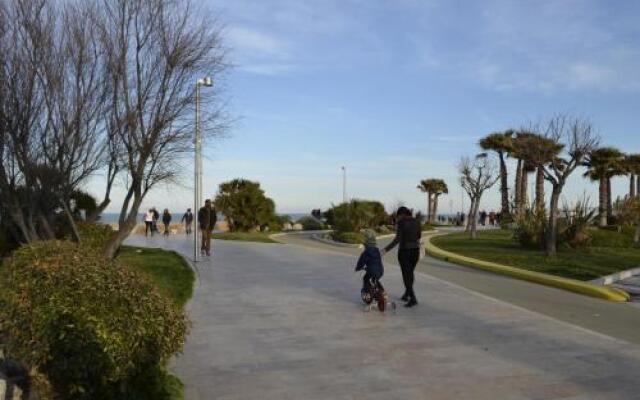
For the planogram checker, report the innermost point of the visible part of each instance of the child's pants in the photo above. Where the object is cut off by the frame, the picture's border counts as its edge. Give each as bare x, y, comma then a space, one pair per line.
366, 281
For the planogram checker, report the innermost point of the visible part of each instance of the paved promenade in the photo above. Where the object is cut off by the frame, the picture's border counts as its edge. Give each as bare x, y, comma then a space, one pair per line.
277, 321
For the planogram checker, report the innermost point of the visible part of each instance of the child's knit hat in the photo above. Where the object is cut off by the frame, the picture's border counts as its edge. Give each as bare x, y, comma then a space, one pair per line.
370, 238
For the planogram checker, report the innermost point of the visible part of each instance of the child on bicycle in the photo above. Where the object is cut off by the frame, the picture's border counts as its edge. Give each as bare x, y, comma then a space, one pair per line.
371, 261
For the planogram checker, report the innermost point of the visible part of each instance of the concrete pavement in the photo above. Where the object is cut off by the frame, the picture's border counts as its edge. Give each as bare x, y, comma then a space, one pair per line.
277, 321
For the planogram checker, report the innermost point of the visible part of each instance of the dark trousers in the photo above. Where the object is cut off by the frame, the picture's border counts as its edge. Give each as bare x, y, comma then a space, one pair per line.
148, 228
408, 258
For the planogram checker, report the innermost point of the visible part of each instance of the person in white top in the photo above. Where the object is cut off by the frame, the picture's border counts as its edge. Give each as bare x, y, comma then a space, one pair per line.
148, 223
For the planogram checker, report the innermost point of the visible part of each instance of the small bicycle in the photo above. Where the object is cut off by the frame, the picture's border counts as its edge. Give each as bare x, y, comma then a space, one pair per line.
375, 292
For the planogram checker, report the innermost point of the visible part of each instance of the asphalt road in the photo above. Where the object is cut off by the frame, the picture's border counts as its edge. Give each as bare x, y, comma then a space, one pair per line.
275, 321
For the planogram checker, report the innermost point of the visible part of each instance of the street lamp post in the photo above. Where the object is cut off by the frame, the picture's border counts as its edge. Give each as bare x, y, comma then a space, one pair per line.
344, 184
197, 165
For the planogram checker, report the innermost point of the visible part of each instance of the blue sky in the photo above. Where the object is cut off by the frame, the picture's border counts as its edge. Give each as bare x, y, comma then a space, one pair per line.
399, 90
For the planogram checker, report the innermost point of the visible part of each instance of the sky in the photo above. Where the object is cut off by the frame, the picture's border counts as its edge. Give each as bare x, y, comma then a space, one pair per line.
397, 91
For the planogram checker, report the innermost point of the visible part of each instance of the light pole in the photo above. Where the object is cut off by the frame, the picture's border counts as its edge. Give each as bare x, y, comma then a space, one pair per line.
344, 184
197, 165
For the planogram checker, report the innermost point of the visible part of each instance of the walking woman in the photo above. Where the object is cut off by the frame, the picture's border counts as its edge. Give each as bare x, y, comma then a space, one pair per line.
166, 220
408, 236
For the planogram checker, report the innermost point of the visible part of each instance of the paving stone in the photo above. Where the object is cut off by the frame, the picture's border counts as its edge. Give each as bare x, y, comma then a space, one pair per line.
278, 322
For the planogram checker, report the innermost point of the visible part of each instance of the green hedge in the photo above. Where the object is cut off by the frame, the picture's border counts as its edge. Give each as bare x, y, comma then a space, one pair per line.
311, 224
91, 326
348, 237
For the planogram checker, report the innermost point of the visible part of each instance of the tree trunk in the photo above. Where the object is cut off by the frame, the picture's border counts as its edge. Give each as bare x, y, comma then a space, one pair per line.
518, 186
435, 208
602, 204
539, 189
474, 216
127, 221
609, 200
636, 236
632, 185
93, 217
552, 225
504, 185
468, 222
524, 197
429, 204
72, 224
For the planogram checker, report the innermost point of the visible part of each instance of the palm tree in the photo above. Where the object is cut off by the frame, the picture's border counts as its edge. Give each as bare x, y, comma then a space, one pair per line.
500, 142
434, 188
535, 151
632, 167
520, 151
601, 163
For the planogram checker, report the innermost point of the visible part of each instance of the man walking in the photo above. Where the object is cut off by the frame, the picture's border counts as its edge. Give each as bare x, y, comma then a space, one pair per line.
206, 221
187, 220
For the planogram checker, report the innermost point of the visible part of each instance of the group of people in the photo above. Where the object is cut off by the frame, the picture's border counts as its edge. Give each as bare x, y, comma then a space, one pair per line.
408, 235
207, 218
151, 218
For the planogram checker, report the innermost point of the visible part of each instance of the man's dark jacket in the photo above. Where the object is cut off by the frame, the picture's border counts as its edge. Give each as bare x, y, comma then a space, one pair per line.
207, 218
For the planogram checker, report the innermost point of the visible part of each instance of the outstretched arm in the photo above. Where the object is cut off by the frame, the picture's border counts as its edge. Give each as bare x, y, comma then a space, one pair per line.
361, 262
396, 239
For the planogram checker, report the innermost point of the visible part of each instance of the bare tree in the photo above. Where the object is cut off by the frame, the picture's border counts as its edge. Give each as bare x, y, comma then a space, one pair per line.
156, 51
52, 104
476, 176
575, 138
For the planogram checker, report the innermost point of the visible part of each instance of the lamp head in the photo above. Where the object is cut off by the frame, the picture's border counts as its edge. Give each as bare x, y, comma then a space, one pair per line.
206, 81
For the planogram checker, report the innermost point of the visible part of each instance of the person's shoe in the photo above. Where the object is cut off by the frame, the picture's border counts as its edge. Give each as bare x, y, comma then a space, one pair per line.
411, 303
405, 297
208, 253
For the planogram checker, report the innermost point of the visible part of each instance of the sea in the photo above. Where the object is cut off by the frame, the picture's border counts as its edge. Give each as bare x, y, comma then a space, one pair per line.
112, 218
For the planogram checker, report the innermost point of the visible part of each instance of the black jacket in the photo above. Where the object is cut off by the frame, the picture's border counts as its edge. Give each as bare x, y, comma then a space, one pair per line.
408, 234
207, 218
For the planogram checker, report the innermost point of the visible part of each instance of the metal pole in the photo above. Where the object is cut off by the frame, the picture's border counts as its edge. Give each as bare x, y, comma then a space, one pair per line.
344, 184
197, 174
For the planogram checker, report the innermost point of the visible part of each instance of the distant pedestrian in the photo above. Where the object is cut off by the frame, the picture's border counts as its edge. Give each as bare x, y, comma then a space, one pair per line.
483, 217
492, 218
166, 220
408, 234
148, 223
156, 217
187, 220
206, 223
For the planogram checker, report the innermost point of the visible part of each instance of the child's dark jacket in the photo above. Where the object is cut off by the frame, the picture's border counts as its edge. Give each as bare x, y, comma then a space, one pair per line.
371, 261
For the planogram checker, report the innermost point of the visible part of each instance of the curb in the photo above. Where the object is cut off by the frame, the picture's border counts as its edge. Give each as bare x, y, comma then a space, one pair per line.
319, 238
572, 285
618, 276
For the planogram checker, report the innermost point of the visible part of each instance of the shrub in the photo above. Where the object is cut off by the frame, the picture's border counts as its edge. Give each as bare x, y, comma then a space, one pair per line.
91, 326
311, 224
529, 228
573, 229
94, 236
357, 215
348, 237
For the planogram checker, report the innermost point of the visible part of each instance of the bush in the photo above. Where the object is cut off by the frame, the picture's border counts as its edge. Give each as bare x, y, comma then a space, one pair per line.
94, 236
573, 229
311, 224
529, 228
357, 215
348, 237
91, 326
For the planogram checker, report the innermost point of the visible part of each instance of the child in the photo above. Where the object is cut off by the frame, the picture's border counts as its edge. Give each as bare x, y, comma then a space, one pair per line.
371, 261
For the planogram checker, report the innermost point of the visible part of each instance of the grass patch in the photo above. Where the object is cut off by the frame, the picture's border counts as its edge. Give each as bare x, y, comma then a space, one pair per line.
605, 256
170, 272
261, 237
